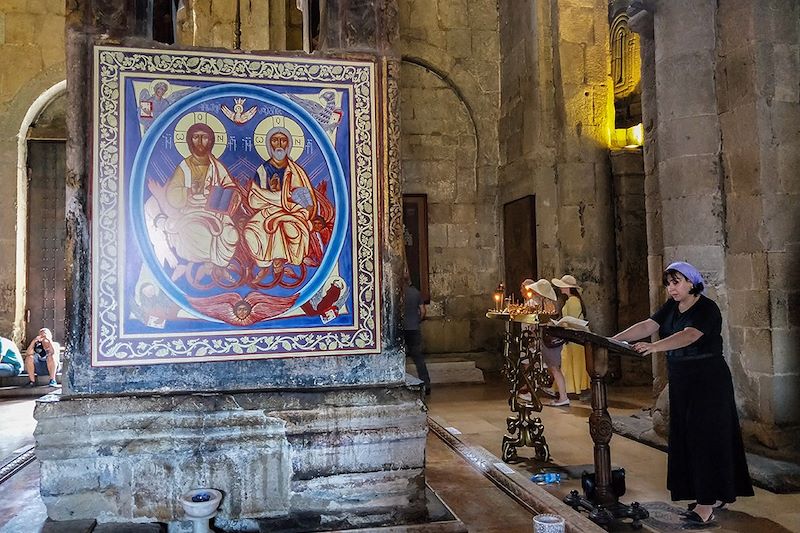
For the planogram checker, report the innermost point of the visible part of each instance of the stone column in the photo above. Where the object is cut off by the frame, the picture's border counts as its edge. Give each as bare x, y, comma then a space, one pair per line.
336, 436
583, 176
641, 21
252, 25
727, 83
685, 175
689, 142
631, 253
758, 88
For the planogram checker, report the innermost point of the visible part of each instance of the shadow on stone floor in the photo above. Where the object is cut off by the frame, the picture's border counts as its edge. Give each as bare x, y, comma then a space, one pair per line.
666, 518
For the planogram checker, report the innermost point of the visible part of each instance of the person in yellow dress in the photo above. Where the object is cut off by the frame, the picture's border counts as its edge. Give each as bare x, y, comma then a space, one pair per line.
573, 357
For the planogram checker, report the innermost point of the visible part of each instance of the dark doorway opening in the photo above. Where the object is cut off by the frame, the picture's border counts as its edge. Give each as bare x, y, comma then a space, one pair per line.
519, 243
415, 220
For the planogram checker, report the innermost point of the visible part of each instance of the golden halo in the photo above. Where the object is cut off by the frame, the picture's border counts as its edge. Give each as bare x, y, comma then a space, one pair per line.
188, 120
282, 121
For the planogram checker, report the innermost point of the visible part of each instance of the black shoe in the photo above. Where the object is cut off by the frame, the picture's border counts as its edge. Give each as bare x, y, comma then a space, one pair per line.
30, 385
695, 518
690, 508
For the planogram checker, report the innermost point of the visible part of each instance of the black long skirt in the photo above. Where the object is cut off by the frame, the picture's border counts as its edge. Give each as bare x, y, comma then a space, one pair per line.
706, 459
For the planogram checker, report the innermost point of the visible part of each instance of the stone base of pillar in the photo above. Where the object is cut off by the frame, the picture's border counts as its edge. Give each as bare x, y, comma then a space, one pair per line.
350, 456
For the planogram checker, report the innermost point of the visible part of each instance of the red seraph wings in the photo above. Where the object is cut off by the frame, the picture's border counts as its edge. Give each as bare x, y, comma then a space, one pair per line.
232, 309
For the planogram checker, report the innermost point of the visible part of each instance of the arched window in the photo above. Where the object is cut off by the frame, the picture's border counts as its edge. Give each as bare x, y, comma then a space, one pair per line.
625, 62
626, 74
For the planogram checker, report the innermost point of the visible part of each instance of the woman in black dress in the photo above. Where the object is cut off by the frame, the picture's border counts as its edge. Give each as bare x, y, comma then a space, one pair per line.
706, 460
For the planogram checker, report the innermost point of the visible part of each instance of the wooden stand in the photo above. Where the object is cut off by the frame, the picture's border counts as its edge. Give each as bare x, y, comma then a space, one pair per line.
604, 507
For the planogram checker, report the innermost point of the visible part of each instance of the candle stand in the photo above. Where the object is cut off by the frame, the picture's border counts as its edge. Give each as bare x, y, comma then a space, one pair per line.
523, 367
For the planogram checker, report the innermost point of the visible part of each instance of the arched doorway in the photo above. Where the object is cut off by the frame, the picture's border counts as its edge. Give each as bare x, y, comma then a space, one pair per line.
41, 227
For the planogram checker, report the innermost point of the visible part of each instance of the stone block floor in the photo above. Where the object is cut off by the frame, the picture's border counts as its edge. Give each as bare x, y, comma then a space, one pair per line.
474, 416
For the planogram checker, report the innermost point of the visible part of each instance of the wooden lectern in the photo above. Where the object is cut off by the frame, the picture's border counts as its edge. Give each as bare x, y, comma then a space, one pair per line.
604, 506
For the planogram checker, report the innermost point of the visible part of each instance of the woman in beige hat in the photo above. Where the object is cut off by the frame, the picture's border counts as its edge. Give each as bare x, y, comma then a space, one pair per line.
573, 356
544, 298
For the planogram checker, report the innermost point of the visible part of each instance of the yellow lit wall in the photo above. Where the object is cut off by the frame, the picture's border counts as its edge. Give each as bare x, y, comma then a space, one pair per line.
628, 137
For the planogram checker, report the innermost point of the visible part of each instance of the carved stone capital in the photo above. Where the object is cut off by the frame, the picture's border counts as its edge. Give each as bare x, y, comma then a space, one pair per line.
640, 17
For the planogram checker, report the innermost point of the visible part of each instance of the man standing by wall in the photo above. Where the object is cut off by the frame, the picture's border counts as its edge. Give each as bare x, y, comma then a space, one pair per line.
414, 314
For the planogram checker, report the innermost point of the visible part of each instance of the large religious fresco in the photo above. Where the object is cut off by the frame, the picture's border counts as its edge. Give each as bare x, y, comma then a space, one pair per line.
234, 207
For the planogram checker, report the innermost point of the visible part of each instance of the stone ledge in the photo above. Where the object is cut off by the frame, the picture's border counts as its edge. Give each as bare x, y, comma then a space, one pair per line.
450, 371
780, 477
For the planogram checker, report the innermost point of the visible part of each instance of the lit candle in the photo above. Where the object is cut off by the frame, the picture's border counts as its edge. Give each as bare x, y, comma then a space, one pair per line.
499, 293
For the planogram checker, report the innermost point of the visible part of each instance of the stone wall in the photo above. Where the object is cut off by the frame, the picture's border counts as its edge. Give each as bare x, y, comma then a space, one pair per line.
724, 183
449, 86
346, 458
264, 25
555, 122
32, 47
758, 95
630, 255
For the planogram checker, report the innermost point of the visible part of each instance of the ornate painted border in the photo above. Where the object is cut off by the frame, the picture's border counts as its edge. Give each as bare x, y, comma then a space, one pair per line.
110, 346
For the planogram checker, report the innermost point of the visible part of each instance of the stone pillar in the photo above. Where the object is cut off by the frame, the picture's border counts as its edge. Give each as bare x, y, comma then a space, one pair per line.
727, 109
641, 21
556, 113
758, 90
686, 187
631, 253
585, 103
320, 431
235, 24
689, 143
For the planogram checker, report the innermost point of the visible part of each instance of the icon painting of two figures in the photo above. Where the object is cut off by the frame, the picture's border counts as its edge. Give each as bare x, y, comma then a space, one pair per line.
234, 204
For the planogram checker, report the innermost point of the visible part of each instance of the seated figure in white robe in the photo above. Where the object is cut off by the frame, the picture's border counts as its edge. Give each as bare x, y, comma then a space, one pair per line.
195, 204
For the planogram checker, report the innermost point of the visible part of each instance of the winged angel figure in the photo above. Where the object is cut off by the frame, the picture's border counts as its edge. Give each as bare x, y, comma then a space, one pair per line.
328, 115
152, 105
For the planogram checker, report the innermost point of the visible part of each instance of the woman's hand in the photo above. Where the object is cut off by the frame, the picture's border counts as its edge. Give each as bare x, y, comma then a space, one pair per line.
645, 347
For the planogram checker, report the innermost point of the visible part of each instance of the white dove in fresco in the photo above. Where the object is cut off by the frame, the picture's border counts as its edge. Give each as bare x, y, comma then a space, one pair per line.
328, 116
239, 115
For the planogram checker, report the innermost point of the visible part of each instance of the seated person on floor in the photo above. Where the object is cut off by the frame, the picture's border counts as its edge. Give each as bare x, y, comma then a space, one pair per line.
10, 359
42, 358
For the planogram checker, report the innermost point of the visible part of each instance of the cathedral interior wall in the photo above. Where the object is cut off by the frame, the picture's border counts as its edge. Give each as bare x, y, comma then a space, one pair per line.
449, 86
32, 46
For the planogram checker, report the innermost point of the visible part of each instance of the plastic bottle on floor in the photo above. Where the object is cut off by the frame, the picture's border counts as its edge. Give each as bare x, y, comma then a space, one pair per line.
546, 478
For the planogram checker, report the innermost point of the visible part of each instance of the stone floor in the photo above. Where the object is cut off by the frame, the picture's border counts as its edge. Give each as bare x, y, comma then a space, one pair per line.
475, 416
478, 412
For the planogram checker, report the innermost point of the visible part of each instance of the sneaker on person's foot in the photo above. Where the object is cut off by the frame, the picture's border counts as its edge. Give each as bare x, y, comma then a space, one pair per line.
30, 384
550, 392
559, 403
52, 383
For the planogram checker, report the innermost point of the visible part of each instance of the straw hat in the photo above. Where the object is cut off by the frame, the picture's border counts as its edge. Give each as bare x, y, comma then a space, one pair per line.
543, 288
566, 282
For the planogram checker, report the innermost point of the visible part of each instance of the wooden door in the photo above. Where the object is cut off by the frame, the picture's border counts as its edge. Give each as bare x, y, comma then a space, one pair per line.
415, 220
46, 235
519, 243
